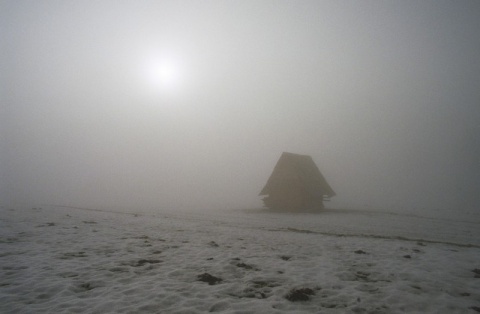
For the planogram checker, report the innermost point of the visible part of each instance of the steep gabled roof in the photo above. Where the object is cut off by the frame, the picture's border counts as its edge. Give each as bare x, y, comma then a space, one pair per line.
298, 169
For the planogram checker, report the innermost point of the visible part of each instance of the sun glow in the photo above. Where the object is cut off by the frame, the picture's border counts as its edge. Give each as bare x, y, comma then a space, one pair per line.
164, 75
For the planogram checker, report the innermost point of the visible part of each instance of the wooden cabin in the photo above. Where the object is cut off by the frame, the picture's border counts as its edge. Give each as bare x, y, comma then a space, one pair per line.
296, 184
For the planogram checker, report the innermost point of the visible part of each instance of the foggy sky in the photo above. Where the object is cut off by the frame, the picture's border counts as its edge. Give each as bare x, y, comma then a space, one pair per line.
385, 96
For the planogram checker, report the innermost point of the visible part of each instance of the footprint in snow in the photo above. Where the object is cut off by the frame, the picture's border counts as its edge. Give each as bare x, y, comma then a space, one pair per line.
302, 294
48, 224
360, 252
87, 286
142, 262
211, 280
247, 266
70, 255
476, 271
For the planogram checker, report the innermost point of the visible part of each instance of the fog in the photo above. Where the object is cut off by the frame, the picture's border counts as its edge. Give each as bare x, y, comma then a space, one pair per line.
384, 95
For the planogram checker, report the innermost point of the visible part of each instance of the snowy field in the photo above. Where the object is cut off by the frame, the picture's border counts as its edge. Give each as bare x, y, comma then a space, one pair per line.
66, 260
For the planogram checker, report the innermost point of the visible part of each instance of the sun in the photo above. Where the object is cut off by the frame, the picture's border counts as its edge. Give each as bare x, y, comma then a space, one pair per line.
164, 74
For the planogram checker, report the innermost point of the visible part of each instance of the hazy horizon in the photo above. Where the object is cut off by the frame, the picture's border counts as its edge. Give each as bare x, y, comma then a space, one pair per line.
189, 105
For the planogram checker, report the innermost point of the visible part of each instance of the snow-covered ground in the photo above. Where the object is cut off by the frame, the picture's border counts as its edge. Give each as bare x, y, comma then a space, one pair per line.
65, 260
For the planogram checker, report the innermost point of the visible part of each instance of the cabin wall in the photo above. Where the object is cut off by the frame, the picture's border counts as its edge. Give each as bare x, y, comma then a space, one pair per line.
291, 198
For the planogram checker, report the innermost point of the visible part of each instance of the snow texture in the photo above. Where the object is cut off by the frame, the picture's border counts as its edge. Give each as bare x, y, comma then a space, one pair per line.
65, 260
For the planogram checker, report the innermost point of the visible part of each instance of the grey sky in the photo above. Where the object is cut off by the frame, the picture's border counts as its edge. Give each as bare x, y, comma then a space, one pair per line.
384, 95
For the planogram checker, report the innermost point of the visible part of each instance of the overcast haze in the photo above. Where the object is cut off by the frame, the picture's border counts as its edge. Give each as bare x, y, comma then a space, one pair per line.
385, 97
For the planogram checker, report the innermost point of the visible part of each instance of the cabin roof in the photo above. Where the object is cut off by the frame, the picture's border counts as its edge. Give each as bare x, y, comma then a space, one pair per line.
297, 169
